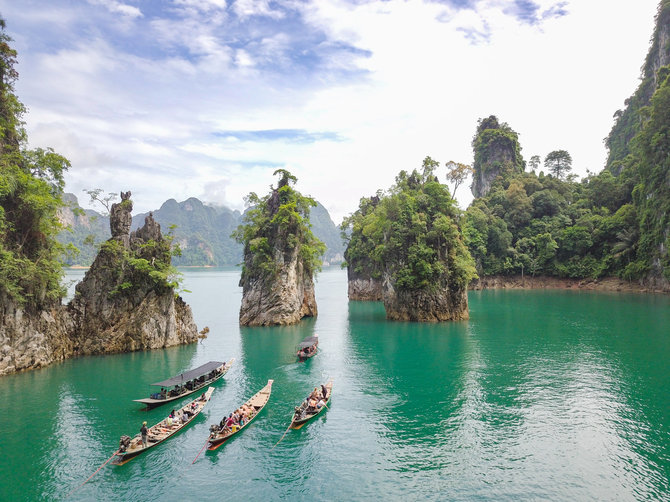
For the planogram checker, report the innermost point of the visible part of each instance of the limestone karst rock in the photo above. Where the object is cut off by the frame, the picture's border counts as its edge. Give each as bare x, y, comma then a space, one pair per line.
281, 256
118, 305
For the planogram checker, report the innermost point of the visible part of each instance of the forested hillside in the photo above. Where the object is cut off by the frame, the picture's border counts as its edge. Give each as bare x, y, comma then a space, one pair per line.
616, 223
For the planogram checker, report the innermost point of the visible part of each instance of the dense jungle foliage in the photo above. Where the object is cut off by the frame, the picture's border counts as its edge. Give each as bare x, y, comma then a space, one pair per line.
603, 225
31, 188
278, 223
411, 234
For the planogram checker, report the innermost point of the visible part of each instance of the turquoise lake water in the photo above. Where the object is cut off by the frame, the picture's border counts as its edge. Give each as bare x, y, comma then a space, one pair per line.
541, 395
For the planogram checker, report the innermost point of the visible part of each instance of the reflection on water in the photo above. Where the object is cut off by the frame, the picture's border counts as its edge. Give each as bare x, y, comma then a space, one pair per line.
541, 395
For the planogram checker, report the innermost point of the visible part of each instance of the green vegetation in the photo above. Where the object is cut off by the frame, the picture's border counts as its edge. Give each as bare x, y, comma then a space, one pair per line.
558, 163
543, 225
275, 227
410, 233
31, 188
147, 266
647, 168
496, 146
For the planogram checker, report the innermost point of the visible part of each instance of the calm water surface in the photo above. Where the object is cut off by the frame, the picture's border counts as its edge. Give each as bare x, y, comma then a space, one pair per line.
541, 395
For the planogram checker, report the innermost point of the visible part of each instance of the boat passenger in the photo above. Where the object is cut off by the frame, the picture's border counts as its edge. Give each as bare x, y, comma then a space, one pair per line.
163, 393
320, 404
324, 391
144, 431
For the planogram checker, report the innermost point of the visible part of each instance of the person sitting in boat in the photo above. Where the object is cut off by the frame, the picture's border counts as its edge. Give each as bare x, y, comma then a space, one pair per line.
311, 405
185, 416
324, 391
163, 393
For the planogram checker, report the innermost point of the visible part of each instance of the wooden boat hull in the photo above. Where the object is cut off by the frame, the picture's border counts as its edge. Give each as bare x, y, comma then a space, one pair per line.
154, 403
161, 431
258, 401
308, 356
297, 424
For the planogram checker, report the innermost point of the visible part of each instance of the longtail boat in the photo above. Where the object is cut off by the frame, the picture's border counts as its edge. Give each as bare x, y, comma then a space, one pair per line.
222, 433
130, 448
186, 383
308, 347
305, 412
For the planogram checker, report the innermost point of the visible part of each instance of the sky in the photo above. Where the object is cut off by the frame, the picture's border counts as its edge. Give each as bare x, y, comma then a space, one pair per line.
207, 98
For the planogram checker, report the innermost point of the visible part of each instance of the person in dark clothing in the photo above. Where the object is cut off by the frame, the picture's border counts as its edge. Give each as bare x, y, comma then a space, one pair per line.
324, 391
144, 431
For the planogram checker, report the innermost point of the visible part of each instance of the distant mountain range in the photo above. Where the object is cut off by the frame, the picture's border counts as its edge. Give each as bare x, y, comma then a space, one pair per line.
202, 231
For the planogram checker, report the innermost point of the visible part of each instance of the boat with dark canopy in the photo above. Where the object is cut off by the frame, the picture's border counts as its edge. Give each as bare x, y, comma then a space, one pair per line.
309, 408
308, 347
186, 383
129, 447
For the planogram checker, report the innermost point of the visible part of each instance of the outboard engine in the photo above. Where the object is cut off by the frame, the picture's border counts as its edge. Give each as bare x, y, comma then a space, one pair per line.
214, 428
124, 442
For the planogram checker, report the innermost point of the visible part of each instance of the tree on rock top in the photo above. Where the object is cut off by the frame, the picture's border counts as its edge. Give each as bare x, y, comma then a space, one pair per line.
281, 256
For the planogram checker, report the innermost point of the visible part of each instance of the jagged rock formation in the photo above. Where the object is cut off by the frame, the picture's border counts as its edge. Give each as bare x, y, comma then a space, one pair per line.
282, 299
496, 148
281, 256
446, 304
30, 340
118, 307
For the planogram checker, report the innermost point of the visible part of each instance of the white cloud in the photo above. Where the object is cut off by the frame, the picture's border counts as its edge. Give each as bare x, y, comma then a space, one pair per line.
118, 8
144, 117
248, 8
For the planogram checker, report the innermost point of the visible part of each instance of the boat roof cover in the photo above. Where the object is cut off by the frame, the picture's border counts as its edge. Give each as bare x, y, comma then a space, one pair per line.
308, 342
189, 375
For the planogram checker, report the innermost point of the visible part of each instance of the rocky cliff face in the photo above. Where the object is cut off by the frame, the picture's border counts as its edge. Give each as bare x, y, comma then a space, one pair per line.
31, 340
116, 307
627, 121
280, 299
363, 288
425, 306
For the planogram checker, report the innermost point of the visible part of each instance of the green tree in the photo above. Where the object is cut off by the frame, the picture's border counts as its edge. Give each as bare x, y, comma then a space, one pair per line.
31, 189
534, 162
457, 173
559, 163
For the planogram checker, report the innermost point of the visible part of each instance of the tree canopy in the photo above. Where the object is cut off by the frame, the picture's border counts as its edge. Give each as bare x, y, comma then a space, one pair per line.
31, 189
558, 163
410, 233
